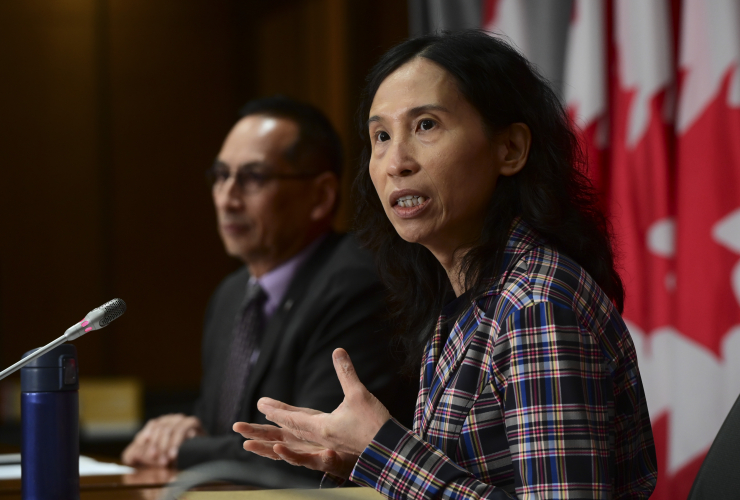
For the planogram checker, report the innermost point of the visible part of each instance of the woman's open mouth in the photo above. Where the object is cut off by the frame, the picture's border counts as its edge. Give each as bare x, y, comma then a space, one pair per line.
410, 201
410, 205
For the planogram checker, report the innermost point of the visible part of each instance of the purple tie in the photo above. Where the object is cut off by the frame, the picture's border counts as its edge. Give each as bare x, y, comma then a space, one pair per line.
243, 353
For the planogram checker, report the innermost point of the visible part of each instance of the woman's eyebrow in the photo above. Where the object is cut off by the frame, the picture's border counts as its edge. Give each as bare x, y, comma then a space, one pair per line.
427, 108
413, 112
374, 118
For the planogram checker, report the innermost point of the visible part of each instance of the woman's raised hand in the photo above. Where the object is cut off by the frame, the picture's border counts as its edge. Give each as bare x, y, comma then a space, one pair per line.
280, 444
329, 442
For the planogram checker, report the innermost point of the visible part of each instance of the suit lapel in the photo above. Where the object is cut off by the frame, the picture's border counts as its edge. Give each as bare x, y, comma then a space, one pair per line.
220, 327
276, 327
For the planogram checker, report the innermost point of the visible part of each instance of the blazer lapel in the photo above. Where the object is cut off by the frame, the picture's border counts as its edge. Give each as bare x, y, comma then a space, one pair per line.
220, 327
442, 362
429, 362
440, 367
276, 326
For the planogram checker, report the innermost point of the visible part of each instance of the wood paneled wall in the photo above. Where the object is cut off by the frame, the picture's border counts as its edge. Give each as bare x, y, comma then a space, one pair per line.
110, 111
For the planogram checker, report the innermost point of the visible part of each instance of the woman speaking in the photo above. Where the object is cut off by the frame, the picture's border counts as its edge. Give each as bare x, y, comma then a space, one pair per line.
500, 270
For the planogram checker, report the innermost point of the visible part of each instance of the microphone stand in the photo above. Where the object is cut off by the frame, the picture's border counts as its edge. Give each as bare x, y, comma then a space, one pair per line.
98, 318
35, 354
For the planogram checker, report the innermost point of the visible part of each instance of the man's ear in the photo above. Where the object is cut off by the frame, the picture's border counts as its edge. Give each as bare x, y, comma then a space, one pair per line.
326, 190
514, 143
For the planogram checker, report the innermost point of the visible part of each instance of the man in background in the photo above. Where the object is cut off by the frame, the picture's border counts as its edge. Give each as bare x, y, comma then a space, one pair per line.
270, 327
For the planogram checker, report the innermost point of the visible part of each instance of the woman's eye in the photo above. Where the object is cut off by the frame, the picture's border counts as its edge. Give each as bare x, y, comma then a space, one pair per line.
426, 124
383, 136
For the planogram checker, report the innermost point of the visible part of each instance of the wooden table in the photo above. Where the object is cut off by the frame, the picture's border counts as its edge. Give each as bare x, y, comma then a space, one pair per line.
144, 484
148, 484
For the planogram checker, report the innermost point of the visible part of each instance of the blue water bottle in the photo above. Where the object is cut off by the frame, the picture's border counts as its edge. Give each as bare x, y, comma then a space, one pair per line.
50, 436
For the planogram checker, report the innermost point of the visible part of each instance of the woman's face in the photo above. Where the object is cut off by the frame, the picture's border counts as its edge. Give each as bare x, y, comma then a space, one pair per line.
433, 164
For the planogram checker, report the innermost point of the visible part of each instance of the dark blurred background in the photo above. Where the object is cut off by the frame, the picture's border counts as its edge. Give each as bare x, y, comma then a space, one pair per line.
110, 112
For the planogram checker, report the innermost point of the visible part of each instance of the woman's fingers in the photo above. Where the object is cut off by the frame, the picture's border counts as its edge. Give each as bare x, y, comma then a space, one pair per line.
301, 422
265, 448
262, 432
269, 404
243, 428
310, 460
323, 460
346, 372
271, 434
302, 426
262, 448
347, 429
295, 447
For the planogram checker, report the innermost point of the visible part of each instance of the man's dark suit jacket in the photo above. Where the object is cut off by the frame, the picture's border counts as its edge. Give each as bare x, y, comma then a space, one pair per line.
334, 300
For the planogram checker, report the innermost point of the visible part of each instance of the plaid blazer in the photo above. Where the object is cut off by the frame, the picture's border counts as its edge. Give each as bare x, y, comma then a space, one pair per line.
535, 393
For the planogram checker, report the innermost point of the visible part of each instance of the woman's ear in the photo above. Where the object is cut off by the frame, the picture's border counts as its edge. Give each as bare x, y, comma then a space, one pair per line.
326, 189
514, 143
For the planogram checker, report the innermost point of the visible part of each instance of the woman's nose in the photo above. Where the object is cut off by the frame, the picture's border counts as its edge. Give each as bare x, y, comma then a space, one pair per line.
401, 160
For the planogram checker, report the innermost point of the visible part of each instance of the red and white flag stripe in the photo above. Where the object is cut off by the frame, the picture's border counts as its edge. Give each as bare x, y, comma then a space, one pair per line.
585, 86
672, 174
708, 228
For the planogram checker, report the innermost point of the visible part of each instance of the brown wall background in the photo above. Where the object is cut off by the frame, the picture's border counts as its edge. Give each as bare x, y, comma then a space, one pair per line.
110, 112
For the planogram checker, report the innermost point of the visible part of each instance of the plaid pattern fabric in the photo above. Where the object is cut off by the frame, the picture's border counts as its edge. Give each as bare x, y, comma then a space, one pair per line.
536, 393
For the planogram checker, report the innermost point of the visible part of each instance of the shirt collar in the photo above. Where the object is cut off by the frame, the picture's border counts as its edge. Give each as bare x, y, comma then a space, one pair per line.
275, 283
522, 239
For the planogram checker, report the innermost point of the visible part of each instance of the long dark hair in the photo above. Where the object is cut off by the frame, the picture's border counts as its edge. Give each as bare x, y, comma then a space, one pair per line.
551, 193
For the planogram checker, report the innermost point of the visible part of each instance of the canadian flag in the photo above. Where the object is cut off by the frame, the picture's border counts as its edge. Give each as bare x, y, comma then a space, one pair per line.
681, 306
708, 231
507, 17
640, 185
640, 201
585, 86
672, 170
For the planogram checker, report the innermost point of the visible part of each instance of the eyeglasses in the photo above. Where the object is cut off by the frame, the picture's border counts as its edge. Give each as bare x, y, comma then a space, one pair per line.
247, 177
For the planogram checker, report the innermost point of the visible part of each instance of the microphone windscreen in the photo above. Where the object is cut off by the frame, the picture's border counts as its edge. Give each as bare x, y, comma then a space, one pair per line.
113, 310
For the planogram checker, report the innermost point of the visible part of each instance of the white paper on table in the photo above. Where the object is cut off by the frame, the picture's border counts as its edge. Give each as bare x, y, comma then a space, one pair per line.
88, 467
10, 471
10, 458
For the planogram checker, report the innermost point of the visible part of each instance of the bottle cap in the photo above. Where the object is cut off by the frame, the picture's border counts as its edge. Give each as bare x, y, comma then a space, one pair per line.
53, 371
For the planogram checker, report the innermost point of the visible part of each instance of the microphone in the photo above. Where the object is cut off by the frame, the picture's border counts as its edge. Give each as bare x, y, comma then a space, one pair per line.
98, 318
